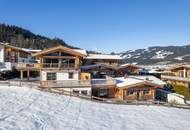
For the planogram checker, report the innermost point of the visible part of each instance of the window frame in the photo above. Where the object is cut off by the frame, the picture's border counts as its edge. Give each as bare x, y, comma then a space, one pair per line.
51, 76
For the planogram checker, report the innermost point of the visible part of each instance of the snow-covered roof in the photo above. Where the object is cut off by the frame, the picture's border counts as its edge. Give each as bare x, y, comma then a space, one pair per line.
30, 50
104, 56
19, 48
81, 51
122, 82
150, 78
127, 65
86, 67
179, 66
132, 80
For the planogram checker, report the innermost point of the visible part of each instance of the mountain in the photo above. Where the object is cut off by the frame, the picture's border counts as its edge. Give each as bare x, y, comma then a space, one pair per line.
20, 37
158, 55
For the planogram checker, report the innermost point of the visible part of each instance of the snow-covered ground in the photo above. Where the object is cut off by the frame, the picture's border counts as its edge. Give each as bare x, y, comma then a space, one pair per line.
30, 109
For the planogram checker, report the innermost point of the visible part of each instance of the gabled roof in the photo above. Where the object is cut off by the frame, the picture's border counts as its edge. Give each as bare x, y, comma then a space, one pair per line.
133, 82
128, 65
16, 48
149, 78
88, 67
60, 47
180, 66
81, 51
104, 57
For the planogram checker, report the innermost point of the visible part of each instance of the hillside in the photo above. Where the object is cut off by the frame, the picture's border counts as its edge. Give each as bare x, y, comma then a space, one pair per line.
30, 109
158, 55
24, 38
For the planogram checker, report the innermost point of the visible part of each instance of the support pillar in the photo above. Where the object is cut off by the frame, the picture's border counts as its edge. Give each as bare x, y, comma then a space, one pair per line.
184, 73
28, 74
21, 74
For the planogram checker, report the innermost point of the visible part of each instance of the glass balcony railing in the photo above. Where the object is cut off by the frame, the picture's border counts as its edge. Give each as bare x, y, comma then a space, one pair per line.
57, 65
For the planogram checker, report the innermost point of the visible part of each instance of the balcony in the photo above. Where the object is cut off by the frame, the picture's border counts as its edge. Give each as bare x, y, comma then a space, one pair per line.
175, 78
58, 65
66, 84
29, 66
103, 82
78, 83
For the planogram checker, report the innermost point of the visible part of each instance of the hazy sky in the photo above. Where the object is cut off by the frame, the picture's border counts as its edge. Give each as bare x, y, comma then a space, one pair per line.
105, 25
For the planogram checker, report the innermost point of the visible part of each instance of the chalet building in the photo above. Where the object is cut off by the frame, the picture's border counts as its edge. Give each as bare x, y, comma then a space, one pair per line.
99, 70
131, 89
181, 71
113, 60
104, 88
179, 74
11, 57
128, 69
74, 70
60, 63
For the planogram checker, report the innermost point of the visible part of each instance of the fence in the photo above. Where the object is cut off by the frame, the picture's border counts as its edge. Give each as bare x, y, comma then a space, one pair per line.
19, 83
36, 84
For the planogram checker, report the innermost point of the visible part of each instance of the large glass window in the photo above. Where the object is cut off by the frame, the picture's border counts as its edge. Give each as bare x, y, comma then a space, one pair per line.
146, 92
51, 76
130, 92
71, 75
67, 63
103, 91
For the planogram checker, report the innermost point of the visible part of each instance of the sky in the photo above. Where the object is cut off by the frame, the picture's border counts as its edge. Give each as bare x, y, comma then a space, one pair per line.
103, 25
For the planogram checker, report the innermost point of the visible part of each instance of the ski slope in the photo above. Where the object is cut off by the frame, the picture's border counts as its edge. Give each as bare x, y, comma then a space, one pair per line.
30, 109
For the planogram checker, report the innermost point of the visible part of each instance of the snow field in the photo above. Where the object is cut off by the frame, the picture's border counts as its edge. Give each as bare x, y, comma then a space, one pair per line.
30, 109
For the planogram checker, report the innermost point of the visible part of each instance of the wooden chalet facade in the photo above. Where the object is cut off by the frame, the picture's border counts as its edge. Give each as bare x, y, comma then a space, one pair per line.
131, 89
111, 60
11, 57
179, 75
127, 69
104, 88
59, 63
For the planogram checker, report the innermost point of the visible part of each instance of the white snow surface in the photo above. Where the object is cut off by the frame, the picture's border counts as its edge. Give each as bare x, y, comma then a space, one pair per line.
162, 54
30, 109
150, 78
123, 82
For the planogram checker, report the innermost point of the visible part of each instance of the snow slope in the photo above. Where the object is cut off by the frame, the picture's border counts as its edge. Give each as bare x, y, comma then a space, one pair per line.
30, 109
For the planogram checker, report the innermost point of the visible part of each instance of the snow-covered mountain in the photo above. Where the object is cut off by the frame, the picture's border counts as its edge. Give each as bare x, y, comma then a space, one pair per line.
158, 55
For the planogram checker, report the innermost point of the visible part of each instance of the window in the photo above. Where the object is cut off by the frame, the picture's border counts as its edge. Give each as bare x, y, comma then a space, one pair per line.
71, 75
51, 76
145, 92
130, 92
76, 92
84, 92
103, 91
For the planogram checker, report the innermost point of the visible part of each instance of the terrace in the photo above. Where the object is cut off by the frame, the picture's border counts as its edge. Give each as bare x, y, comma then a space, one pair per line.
78, 83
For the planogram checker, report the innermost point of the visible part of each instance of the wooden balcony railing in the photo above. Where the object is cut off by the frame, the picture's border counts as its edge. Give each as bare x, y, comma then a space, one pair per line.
28, 65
